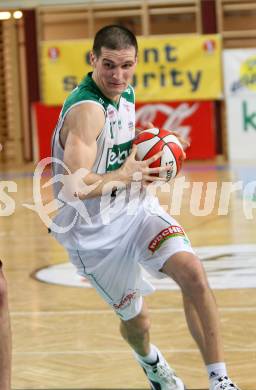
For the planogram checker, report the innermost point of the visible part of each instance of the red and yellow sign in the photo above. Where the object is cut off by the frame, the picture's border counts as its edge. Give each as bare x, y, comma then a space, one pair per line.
170, 68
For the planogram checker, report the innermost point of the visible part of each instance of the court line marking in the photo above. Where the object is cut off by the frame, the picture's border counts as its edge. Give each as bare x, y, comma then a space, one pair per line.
109, 311
121, 351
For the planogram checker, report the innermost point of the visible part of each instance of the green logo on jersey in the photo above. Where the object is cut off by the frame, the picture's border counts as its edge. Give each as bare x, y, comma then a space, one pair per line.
117, 155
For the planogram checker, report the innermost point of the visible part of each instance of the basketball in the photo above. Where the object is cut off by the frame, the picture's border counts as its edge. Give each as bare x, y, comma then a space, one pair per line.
152, 141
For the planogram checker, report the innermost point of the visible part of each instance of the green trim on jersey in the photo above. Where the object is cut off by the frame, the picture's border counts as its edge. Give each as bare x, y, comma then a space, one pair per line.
128, 94
88, 90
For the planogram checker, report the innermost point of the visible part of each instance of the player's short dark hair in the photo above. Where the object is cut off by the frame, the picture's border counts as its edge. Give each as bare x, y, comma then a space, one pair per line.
114, 37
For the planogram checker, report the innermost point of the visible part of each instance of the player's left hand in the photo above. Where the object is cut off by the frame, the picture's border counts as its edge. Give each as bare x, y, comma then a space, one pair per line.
185, 144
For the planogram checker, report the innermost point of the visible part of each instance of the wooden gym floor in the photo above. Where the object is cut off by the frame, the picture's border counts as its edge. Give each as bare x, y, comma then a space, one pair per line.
67, 337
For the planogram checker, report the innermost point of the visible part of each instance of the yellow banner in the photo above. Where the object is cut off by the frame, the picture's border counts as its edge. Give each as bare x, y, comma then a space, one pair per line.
186, 67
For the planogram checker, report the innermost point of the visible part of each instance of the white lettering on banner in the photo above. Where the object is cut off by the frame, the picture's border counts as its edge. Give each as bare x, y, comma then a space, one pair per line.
174, 116
227, 267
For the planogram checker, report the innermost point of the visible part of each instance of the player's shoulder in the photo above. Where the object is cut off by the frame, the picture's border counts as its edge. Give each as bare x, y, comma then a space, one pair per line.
86, 92
89, 91
129, 94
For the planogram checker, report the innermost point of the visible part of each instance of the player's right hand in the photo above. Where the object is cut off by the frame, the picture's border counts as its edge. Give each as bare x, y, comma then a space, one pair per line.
134, 170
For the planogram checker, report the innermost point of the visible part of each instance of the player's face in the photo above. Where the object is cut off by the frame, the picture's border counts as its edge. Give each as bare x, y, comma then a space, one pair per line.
113, 70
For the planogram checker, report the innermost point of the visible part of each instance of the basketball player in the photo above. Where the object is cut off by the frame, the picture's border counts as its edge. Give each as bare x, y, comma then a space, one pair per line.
5, 336
94, 136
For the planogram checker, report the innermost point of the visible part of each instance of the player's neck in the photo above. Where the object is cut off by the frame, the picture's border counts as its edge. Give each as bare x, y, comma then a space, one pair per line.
114, 98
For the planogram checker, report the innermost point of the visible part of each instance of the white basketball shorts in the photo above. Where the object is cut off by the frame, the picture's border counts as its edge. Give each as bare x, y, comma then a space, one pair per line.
149, 239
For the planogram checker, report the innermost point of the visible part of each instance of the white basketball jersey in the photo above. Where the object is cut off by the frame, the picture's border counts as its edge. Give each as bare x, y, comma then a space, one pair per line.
77, 220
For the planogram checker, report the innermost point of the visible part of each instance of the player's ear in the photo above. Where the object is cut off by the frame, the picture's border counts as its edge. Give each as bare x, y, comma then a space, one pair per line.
92, 58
